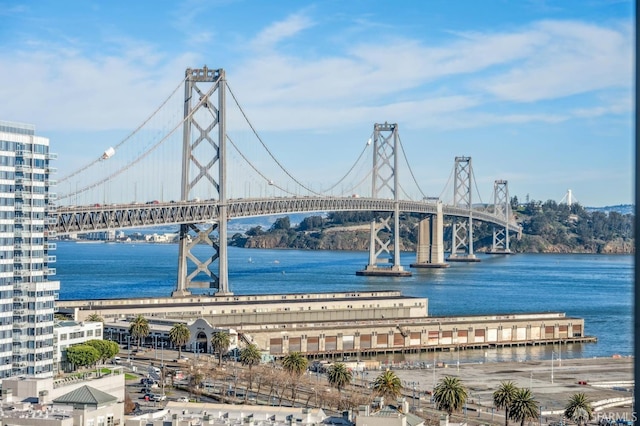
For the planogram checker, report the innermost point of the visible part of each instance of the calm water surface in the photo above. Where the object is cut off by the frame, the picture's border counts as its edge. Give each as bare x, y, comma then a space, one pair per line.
598, 288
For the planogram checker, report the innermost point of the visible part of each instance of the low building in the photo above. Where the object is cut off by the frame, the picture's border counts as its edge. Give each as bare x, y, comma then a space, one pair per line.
178, 414
64, 402
68, 333
337, 323
200, 329
387, 415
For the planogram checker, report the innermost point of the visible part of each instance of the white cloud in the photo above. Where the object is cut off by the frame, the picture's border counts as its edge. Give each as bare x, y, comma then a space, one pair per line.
278, 31
569, 58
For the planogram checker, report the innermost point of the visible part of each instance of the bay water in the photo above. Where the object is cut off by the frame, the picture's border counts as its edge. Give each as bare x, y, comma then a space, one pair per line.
598, 288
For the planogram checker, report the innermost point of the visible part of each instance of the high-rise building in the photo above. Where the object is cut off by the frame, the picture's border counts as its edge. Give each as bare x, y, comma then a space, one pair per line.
27, 295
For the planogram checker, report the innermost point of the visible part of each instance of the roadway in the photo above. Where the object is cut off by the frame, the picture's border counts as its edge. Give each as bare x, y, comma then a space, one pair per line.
95, 218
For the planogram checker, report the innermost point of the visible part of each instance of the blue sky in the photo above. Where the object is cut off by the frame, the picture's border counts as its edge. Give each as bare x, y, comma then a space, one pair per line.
537, 92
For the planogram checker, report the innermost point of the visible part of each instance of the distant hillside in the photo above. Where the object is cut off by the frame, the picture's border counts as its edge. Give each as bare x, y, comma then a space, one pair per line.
246, 223
548, 227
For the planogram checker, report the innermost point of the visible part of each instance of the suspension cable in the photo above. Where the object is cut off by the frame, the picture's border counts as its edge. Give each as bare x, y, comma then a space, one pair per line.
269, 181
410, 170
80, 170
367, 176
446, 185
265, 146
476, 186
144, 154
352, 167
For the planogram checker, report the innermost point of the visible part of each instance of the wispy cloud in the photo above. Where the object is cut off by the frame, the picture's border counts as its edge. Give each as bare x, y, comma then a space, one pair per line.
278, 31
569, 58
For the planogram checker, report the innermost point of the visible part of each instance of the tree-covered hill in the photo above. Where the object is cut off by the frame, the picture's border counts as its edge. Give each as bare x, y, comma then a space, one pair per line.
548, 227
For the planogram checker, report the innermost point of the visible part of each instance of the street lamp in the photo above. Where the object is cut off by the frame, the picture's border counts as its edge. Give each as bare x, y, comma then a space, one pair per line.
129, 347
413, 384
552, 353
560, 355
162, 362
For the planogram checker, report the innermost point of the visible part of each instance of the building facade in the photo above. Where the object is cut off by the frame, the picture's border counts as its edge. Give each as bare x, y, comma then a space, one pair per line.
27, 293
68, 333
335, 323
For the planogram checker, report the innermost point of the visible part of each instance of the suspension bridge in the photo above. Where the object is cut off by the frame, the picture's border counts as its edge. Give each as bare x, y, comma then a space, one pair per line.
227, 171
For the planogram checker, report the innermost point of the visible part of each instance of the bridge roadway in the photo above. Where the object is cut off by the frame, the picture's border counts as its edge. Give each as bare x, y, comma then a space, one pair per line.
81, 219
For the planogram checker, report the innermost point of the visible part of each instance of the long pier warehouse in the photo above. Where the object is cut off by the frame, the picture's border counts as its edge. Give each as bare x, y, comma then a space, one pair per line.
327, 324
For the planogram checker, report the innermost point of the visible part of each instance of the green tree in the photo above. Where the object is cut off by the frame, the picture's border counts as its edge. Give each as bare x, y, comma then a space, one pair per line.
450, 394
282, 223
295, 363
139, 328
95, 318
82, 355
179, 336
220, 341
388, 385
255, 231
106, 348
250, 356
339, 375
579, 409
503, 396
523, 407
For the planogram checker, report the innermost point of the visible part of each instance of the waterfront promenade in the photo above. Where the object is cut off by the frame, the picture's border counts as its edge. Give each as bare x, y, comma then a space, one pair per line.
609, 378
605, 378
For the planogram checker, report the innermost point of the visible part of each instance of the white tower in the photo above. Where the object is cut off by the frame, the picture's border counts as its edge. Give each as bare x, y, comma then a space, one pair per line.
27, 294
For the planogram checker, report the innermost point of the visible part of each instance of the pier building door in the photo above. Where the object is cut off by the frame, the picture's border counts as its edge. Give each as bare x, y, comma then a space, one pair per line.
202, 342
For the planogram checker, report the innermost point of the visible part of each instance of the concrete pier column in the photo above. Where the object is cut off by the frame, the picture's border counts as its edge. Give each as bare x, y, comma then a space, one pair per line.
430, 248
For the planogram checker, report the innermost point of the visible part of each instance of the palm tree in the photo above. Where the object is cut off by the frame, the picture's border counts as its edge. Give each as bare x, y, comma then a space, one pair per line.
388, 385
523, 407
94, 318
450, 394
339, 375
220, 341
503, 396
579, 408
179, 336
295, 364
250, 356
139, 328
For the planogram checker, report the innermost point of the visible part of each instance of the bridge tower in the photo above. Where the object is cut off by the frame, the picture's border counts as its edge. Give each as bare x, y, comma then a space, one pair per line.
430, 249
202, 151
385, 182
501, 206
462, 228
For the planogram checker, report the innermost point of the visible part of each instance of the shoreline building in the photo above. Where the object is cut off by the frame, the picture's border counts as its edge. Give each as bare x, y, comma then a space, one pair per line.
333, 324
27, 295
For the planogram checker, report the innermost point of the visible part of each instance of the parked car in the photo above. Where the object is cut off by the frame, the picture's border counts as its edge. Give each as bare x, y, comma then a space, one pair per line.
183, 399
158, 397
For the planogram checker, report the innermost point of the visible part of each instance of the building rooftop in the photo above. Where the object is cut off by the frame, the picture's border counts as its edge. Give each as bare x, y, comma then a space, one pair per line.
227, 414
86, 395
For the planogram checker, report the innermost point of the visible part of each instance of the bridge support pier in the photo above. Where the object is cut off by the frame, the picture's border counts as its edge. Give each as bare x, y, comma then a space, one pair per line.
385, 182
501, 206
430, 250
462, 229
202, 114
